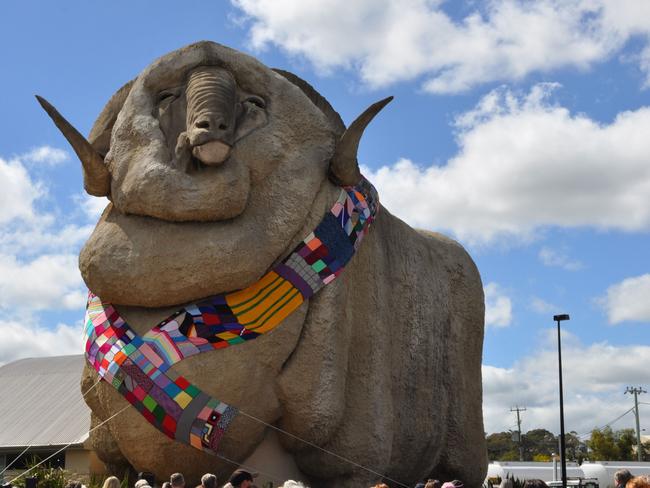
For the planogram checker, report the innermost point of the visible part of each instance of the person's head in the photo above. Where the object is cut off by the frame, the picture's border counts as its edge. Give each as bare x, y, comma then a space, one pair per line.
638, 482
622, 476
241, 479
111, 482
535, 484
140, 483
292, 484
381, 485
146, 476
453, 484
166, 484
208, 480
433, 484
177, 480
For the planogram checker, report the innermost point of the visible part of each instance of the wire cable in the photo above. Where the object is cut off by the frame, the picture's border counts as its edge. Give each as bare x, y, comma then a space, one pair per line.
68, 445
275, 477
331, 453
252, 469
608, 423
83, 395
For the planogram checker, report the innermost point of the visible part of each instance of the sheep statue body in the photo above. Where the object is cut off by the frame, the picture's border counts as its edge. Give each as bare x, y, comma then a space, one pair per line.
222, 174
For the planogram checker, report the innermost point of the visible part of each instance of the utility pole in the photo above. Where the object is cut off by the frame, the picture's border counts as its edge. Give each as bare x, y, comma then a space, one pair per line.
521, 446
637, 392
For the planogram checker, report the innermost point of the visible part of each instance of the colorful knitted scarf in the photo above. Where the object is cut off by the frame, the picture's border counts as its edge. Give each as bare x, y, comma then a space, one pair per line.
139, 366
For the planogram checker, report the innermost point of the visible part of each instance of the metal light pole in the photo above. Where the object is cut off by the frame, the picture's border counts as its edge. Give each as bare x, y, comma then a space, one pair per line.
558, 319
636, 392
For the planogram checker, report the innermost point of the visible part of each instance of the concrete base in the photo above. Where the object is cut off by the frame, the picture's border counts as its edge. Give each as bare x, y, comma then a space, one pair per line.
272, 462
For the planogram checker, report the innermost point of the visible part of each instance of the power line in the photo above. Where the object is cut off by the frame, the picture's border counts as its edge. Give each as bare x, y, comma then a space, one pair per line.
608, 424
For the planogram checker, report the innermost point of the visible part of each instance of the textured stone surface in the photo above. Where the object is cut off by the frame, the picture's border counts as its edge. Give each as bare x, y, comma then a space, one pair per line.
382, 366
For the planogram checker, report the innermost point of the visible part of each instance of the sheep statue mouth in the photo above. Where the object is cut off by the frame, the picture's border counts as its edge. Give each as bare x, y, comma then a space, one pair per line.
212, 153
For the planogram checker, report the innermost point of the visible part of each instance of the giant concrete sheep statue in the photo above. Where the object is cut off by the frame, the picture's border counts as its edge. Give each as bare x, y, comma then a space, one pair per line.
216, 167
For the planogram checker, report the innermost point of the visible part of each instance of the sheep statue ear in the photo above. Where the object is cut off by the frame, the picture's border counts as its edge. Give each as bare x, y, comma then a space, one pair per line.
97, 179
344, 167
100, 134
317, 99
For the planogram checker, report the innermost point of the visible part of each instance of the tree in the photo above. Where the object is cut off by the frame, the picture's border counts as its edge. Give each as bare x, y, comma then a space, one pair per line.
626, 443
645, 446
603, 445
511, 455
541, 458
539, 441
576, 450
499, 445
538, 445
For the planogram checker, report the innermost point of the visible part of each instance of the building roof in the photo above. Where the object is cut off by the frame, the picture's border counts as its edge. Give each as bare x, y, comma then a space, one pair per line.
41, 402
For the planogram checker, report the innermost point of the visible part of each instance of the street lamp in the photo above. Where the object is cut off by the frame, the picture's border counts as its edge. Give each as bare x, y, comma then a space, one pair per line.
558, 319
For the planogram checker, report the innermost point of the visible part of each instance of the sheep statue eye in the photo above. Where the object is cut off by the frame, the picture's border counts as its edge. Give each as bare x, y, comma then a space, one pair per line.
166, 96
255, 100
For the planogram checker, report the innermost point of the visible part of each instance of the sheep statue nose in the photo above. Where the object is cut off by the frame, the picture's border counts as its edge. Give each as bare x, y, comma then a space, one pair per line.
211, 114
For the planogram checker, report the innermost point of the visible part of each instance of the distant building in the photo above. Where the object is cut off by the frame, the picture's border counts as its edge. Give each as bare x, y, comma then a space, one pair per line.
42, 409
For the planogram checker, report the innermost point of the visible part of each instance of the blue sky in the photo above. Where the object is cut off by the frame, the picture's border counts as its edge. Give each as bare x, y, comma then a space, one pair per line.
522, 129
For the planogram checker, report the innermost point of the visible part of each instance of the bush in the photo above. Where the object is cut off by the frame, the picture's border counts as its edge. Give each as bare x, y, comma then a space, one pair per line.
48, 477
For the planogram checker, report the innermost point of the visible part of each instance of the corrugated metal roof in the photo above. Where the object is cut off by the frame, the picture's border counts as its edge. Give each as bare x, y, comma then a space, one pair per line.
41, 402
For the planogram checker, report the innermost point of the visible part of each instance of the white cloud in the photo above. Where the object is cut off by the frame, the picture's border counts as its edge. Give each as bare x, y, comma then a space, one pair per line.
23, 340
44, 283
394, 40
524, 164
30, 240
92, 206
543, 307
18, 193
628, 300
558, 258
38, 262
594, 379
498, 306
20, 190
46, 154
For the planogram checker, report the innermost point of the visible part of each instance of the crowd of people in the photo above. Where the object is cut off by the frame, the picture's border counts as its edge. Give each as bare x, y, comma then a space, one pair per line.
624, 479
431, 483
245, 479
239, 479
242, 479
